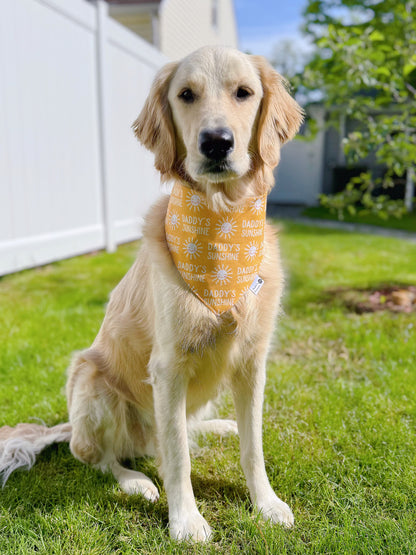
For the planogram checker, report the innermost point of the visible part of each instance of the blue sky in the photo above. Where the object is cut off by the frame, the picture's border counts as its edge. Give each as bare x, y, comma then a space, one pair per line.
261, 23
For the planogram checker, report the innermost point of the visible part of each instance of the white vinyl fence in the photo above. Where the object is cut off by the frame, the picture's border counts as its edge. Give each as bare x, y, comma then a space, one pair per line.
73, 178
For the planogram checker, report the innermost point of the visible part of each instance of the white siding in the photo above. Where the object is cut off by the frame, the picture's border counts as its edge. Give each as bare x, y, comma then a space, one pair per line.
186, 25
67, 152
299, 175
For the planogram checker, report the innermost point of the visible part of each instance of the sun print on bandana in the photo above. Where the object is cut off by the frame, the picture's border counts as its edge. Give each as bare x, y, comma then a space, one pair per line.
257, 205
174, 220
194, 201
222, 274
226, 227
251, 251
192, 248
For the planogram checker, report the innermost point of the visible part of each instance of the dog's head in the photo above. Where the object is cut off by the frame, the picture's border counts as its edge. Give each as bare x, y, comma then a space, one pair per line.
217, 120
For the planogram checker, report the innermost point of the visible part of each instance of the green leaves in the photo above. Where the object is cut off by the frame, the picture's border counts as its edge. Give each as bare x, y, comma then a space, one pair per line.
409, 68
365, 64
376, 36
383, 71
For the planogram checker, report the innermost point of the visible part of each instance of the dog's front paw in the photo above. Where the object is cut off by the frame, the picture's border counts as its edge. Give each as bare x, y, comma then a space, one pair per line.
190, 527
277, 511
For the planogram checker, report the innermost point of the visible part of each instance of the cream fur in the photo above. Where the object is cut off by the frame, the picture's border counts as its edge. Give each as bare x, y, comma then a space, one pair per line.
161, 355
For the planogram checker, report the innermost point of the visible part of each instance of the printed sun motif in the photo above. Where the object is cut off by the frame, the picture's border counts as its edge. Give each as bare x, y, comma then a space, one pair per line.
192, 248
222, 275
174, 220
226, 227
252, 250
194, 201
257, 205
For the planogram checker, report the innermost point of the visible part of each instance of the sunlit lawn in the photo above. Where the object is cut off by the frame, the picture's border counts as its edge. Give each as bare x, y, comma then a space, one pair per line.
339, 423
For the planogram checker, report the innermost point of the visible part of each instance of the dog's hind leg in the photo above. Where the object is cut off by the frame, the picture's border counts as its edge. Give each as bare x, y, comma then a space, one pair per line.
85, 413
132, 482
216, 426
106, 428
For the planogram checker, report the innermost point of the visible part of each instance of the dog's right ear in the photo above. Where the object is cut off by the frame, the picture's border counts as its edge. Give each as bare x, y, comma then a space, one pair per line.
154, 127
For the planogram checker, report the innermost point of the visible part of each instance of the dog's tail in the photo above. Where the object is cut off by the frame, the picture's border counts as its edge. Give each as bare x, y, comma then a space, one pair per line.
19, 446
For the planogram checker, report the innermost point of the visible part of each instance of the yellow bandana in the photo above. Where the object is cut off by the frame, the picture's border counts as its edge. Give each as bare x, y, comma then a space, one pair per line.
218, 254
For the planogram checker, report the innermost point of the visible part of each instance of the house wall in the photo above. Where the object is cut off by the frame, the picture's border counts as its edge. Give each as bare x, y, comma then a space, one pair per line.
140, 22
299, 175
186, 25
72, 176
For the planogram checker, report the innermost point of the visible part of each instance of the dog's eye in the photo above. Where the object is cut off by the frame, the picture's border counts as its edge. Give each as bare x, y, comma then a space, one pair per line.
187, 96
242, 93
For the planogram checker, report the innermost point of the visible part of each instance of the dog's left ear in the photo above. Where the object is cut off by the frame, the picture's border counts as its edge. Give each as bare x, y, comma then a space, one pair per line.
154, 126
280, 115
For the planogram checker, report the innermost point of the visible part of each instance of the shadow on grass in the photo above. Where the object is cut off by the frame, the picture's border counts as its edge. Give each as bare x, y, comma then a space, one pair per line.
58, 480
216, 488
297, 228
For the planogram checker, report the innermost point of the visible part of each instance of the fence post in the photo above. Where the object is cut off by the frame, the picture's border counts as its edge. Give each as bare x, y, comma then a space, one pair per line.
410, 188
102, 94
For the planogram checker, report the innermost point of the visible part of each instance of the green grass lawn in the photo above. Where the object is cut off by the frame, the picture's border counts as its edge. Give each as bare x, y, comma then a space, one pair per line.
406, 223
339, 422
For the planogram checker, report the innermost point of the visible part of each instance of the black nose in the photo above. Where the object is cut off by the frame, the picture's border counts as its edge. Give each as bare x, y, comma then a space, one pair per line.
217, 143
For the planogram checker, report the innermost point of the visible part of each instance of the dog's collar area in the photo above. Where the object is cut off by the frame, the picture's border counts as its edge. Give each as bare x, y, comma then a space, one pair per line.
218, 254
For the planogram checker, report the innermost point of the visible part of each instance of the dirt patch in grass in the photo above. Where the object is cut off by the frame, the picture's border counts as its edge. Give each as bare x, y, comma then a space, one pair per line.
395, 298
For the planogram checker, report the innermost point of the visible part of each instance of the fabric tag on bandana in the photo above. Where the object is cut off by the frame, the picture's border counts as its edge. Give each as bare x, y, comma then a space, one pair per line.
218, 254
256, 285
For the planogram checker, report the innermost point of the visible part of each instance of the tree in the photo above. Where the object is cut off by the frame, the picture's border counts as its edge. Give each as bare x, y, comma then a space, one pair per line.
365, 66
289, 57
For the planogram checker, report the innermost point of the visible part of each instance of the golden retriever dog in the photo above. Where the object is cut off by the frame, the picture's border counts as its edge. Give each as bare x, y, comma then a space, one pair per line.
215, 122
